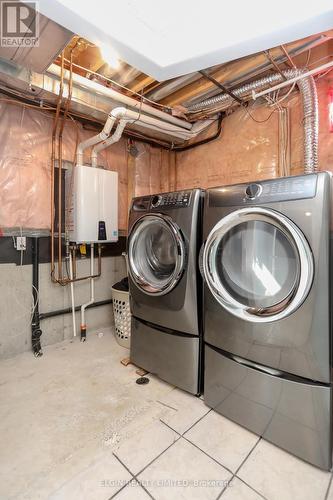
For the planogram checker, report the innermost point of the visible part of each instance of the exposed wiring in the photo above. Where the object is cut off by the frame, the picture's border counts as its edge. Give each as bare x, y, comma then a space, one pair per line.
255, 119
323, 74
120, 86
34, 302
308, 58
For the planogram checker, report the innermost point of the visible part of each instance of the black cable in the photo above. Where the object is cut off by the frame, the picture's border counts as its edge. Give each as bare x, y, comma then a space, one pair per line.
203, 141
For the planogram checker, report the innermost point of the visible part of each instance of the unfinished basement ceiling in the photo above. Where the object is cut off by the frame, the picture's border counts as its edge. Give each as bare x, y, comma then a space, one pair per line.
100, 86
188, 36
189, 89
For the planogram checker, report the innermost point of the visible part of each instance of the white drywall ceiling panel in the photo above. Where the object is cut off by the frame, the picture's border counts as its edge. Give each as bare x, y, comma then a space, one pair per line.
169, 39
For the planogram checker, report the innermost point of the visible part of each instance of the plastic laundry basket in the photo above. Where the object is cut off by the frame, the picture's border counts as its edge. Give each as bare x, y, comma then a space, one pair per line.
122, 314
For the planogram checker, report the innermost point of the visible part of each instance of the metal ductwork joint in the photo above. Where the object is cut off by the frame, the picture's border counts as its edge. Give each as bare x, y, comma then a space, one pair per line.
308, 90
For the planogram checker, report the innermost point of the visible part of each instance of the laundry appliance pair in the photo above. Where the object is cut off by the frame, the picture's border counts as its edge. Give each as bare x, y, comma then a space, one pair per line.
265, 337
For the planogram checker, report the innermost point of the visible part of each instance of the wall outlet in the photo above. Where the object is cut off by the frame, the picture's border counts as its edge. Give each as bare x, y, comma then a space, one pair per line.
21, 243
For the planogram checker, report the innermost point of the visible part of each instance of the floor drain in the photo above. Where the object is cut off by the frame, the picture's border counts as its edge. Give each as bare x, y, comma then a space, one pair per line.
142, 380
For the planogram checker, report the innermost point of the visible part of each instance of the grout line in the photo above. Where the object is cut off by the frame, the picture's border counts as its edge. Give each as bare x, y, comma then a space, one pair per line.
182, 434
251, 487
239, 467
145, 489
121, 489
208, 455
128, 482
168, 426
167, 406
223, 490
134, 477
247, 456
328, 487
234, 474
195, 423
158, 456
124, 465
198, 447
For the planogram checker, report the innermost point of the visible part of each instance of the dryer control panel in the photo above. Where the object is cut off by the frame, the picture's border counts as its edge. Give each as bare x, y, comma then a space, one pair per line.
283, 189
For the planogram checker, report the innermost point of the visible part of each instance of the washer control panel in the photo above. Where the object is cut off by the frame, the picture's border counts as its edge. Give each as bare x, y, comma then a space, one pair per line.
178, 199
283, 189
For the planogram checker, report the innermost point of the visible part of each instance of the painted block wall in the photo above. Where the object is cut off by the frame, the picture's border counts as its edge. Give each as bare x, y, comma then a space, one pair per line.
15, 304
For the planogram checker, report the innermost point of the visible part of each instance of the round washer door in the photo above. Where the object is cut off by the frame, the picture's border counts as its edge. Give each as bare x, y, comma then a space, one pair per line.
258, 264
156, 254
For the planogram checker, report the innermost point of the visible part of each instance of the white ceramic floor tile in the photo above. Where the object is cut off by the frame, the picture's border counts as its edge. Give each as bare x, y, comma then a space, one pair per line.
132, 492
185, 410
100, 481
184, 472
277, 474
237, 490
139, 450
222, 439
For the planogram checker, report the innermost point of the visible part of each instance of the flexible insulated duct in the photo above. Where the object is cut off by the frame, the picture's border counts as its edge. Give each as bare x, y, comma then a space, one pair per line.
308, 92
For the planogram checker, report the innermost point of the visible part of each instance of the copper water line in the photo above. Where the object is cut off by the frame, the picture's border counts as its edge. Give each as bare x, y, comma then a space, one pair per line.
270, 58
62, 124
54, 131
59, 279
99, 269
286, 53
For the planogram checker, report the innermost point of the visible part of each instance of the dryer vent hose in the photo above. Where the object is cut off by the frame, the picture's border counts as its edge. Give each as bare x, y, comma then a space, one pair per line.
308, 90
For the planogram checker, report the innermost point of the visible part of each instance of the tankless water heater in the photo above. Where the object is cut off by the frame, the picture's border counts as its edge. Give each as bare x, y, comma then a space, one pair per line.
92, 216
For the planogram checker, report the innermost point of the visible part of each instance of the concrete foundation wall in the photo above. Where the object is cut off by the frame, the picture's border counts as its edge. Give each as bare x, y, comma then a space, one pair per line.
16, 300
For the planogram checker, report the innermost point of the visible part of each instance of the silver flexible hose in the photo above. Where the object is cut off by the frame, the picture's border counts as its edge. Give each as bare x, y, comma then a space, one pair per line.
308, 90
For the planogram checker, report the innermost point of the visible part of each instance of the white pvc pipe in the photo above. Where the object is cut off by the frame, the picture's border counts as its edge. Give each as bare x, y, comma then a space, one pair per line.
126, 116
92, 295
129, 116
285, 83
72, 294
105, 144
104, 134
121, 98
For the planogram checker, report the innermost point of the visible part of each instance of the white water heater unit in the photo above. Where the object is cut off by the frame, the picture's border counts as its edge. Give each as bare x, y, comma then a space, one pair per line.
93, 211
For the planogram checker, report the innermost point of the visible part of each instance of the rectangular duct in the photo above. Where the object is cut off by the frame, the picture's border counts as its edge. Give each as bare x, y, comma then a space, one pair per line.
52, 39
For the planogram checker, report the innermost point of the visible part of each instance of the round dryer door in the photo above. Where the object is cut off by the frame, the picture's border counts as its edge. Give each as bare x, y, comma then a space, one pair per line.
258, 264
156, 254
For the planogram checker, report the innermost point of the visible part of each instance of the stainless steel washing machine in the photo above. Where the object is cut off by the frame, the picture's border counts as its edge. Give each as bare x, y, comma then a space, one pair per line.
165, 287
267, 310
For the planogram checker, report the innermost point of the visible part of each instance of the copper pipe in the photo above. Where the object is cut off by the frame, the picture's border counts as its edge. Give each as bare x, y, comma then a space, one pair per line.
286, 53
59, 279
270, 58
99, 272
54, 131
62, 124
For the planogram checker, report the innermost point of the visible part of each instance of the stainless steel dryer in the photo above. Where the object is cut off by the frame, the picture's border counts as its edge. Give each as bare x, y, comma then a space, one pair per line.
267, 308
165, 289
